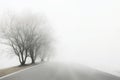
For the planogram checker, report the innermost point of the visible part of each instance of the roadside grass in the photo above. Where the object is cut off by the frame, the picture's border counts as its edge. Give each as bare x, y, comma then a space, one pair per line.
7, 71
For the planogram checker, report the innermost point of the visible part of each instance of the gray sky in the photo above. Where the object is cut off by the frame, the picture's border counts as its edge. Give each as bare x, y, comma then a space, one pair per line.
87, 31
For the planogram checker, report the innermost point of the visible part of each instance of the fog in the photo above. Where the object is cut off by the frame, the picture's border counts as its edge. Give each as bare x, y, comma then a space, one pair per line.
86, 31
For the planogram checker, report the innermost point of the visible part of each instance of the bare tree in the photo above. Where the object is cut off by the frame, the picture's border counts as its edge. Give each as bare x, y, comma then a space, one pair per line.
38, 40
15, 37
27, 35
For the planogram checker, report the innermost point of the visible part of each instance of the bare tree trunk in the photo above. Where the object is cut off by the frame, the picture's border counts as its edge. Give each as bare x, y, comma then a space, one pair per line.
32, 56
42, 60
33, 61
22, 63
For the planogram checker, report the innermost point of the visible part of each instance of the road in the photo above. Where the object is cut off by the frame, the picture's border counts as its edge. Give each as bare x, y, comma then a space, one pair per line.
60, 71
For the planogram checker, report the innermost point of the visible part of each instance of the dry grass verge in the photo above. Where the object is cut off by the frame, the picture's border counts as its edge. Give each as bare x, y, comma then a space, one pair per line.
7, 71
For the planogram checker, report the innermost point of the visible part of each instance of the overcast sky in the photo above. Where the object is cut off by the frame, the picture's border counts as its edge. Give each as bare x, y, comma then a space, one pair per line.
87, 31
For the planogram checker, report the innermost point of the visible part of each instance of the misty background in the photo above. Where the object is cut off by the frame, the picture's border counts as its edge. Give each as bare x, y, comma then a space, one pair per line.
86, 31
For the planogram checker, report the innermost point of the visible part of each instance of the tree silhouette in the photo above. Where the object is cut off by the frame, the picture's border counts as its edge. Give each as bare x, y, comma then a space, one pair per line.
27, 35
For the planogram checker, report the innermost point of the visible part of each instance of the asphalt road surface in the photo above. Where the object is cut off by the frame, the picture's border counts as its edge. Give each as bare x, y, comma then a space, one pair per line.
60, 71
